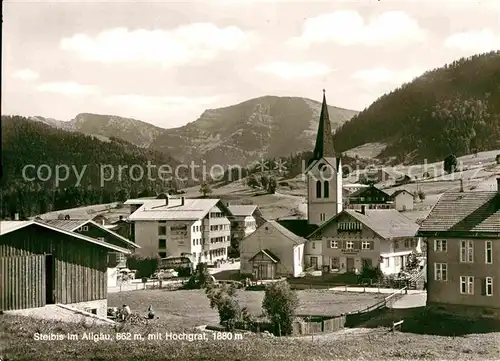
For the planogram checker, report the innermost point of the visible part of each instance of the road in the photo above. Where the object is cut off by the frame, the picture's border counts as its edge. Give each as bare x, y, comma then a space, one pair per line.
414, 298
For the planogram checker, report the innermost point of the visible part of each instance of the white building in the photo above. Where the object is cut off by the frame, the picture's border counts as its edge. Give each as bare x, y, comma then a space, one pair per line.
353, 238
245, 220
403, 200
197, 228
272, 251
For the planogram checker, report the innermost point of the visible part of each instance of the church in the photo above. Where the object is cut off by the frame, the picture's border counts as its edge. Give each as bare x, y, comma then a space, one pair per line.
331, 239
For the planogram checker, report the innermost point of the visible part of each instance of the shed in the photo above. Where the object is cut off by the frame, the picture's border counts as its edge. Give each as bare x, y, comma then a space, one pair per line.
41, 264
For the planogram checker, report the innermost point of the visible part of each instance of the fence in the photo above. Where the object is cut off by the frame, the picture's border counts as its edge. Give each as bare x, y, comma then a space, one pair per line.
150, 285
310, 325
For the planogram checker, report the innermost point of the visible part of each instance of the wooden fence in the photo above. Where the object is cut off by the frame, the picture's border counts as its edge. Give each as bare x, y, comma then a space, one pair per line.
310, 325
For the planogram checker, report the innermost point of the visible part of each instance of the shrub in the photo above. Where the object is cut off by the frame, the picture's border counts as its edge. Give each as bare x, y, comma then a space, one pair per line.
225, 301
421, 195
450, 164
200, 278
498, 158
144, 266
279, 304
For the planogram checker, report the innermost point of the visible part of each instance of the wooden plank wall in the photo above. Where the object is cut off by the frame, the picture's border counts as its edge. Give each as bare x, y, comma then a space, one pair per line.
27, 291
80, 272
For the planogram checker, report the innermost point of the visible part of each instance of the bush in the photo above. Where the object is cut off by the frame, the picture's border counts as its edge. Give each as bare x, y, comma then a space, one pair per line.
450, 164
279, 304
421, 195
498, 158
200, 278
144, 266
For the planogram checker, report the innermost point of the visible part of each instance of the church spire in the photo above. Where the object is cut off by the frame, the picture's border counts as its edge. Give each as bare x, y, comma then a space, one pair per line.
324, 138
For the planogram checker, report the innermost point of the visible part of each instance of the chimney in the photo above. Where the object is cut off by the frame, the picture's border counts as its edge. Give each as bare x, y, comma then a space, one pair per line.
363, 209
461, 185
102, 222
16, 216
182, 201
498, 184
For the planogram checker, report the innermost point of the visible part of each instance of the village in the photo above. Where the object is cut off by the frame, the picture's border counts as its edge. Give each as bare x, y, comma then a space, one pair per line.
356, 240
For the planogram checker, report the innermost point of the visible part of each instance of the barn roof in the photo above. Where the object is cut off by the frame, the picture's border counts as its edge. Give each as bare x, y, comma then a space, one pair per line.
12, 226
73, 225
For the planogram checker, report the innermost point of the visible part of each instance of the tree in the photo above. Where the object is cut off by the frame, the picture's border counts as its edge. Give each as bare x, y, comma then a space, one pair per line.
412, 262
498, 158
450, 164
264, 180
252, 182
421, 195
271, 187
279, 304
205, 189
200, 278
225, 301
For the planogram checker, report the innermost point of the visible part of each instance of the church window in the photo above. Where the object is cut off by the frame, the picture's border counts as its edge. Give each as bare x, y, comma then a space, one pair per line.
326, 190
318, 189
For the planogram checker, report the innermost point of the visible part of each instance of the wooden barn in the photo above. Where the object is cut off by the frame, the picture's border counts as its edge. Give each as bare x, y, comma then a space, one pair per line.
41, 264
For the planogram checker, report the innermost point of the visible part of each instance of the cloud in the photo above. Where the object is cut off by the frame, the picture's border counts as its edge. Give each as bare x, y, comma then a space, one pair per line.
474, 41
26, 74
68, 88
198, 41
299, 70
349, 28
386, 76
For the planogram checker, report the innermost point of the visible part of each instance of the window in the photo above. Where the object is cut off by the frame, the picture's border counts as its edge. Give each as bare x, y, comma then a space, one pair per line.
162, 254
407, 243
397, 262
318, 189
334, 244
440, 271
85, 228
466, 252
162, 243
489, 286
322, 217
162, 230
349, 245
100, 239
365, 245
467, 285
440, 245
488, 252
396, 244
326, 189
313, 245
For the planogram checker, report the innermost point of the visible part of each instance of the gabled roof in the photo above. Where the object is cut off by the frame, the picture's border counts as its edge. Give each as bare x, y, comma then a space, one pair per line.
242, 210
73, 225
297, 240
360, 192
394, 194
137, 201
476, 212
12, 226
299, 227
268, 254
332, 161
387, 223
191, 210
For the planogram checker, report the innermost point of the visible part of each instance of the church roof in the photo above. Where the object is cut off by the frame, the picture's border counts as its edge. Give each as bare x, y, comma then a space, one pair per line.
324, 139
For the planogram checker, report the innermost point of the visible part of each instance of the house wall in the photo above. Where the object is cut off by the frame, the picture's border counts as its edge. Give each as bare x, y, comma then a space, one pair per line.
101, 306
79, 267
404, 202
447, 293
274, 241
330, 206
146, 236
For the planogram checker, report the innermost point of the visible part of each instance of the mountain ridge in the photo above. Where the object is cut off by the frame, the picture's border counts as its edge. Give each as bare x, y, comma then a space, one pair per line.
267, 126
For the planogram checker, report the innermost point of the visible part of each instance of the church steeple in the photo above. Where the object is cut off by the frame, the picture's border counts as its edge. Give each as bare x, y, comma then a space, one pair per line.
324, 139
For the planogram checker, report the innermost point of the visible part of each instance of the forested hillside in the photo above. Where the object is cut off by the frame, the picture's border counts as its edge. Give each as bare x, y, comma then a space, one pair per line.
453, 109
26, 142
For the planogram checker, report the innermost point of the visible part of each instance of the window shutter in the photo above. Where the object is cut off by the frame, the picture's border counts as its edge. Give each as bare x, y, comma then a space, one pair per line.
357, 244
343, 244
372, 245
483, 287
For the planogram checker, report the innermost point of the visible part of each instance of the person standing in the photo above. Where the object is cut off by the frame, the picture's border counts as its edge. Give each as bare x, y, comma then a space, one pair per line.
125, 312
151, 314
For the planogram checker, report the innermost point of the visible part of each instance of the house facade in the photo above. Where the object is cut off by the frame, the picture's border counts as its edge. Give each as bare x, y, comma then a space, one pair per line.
403, 200
370, 197
244, 220
90, 228
272, 251
377, 238
175, 227
42, 264
463, 237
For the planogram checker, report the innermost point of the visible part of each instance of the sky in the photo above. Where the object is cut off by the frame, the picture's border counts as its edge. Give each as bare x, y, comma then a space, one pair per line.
165, 62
